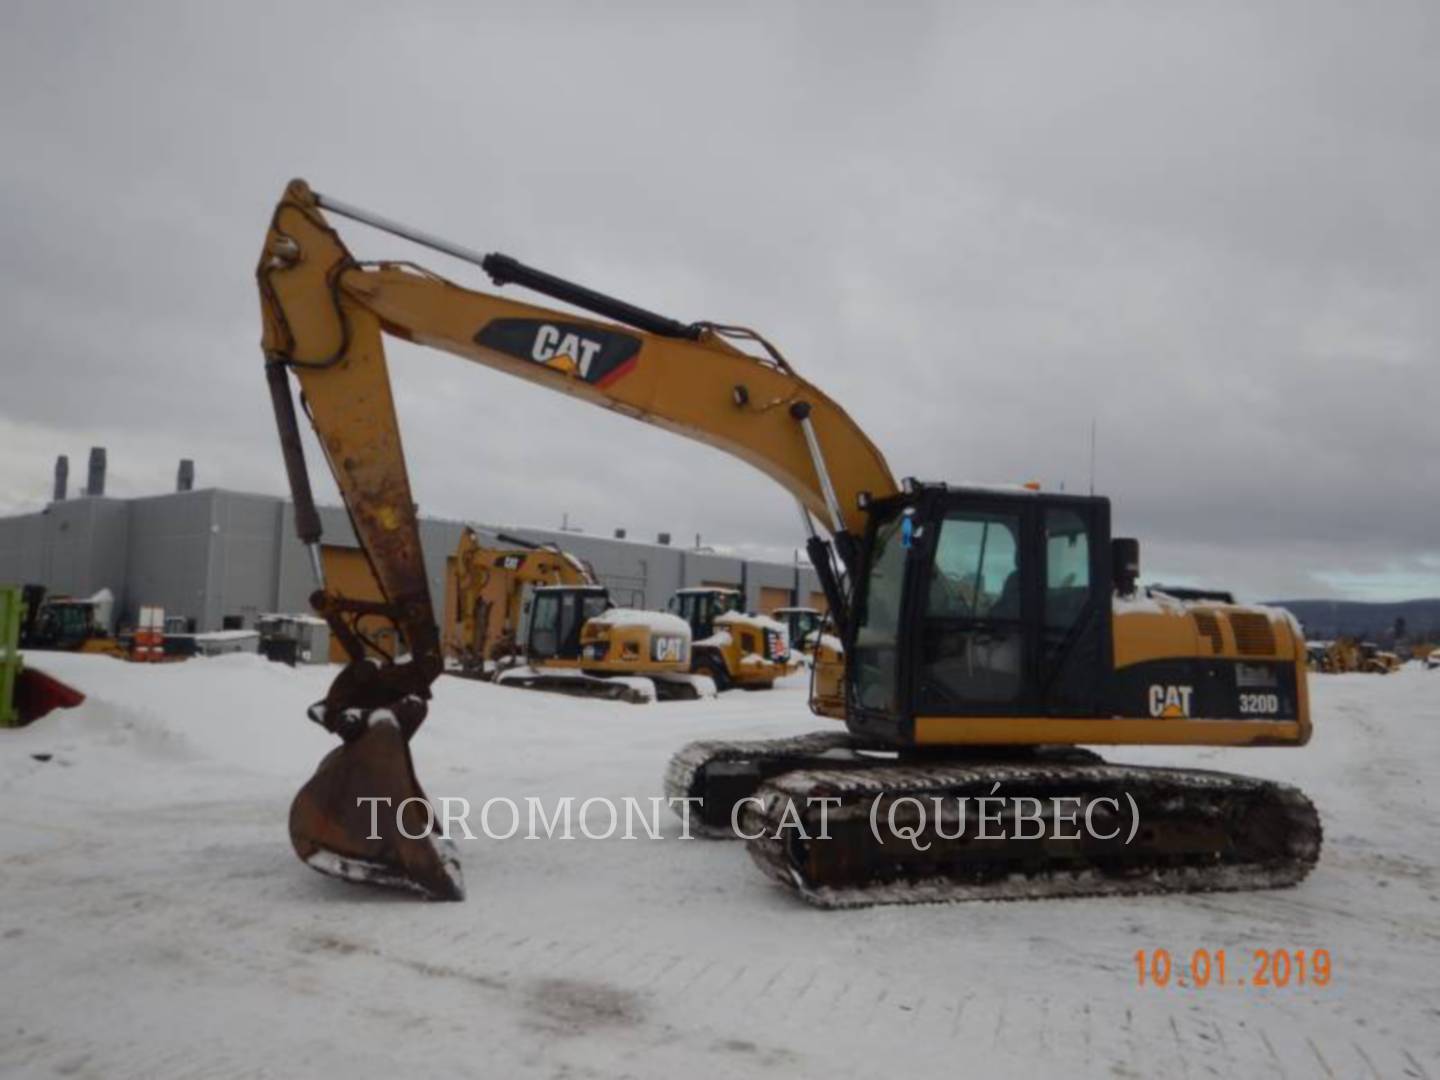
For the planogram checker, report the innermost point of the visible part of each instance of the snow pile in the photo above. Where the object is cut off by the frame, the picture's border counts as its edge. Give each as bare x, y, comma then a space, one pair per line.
518, 675
1146, 601
295, 617
1152, 601
729, 618
657, 622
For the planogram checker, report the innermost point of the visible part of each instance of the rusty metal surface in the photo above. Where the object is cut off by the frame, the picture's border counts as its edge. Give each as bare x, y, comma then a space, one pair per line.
337, 833
333, 346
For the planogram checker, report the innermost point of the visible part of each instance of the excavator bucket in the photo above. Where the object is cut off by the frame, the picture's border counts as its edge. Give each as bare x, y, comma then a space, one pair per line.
363, 817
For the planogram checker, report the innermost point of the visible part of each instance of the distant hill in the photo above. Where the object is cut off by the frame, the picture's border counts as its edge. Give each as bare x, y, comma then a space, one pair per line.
1325, 619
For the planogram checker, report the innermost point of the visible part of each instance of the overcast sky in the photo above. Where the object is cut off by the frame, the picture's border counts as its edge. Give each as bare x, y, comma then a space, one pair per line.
1214, 230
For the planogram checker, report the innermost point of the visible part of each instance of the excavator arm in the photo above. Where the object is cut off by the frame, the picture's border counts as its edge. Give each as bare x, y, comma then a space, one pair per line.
324, 315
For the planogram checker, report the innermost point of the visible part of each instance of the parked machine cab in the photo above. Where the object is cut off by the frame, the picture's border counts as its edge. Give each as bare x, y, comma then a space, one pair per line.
557, 613
800, 624
732, 647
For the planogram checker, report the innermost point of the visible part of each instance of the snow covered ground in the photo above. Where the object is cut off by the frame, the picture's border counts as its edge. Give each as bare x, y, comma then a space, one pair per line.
154, 923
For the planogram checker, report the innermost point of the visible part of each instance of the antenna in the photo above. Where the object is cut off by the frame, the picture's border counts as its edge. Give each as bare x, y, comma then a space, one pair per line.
1092, 455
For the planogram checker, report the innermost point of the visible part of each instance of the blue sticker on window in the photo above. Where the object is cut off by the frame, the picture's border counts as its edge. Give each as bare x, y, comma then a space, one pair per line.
907, 531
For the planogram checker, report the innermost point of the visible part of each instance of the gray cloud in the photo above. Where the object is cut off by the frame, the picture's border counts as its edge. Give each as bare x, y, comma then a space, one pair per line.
1212, 231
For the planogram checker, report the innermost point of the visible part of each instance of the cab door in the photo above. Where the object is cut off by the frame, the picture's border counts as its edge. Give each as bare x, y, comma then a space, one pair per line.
975, 609
1075, 658
544, 641
696, 609
1012, 607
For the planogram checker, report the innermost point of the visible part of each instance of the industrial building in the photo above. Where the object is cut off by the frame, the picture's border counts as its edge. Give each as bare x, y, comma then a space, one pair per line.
219, 559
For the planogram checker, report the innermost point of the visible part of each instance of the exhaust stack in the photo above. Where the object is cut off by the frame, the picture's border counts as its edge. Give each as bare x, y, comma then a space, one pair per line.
185, 477
95, 483
62, 477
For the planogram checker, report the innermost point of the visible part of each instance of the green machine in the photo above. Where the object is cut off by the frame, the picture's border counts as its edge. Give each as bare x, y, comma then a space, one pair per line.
11, 601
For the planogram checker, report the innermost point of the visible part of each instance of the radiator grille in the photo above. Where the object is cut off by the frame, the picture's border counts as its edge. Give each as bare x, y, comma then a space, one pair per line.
1254, 635
1209, 627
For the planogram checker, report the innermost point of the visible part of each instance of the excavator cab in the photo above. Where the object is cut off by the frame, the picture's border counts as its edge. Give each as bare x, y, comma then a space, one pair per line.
701, 607
1009, 616
557, 613
578, 642
979, 603
800, 624
732, 648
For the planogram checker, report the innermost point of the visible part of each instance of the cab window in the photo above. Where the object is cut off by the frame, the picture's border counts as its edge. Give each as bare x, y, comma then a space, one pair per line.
1067, 567
972, 636
877, 631
572, 608
596, 604
545, 625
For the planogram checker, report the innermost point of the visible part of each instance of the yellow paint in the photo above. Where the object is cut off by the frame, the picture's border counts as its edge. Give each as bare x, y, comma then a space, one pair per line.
489, 588
1031, 731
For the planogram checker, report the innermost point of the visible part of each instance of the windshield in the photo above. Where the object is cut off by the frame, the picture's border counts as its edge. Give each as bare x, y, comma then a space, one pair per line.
877, 631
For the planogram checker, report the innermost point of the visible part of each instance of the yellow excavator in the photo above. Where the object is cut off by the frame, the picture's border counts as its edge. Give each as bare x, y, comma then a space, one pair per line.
533, 616
988, 633
1347, 654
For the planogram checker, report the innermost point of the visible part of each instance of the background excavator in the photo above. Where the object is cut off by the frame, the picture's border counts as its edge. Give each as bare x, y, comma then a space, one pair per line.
533, 616
492, 576
1346, 654
987, 633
